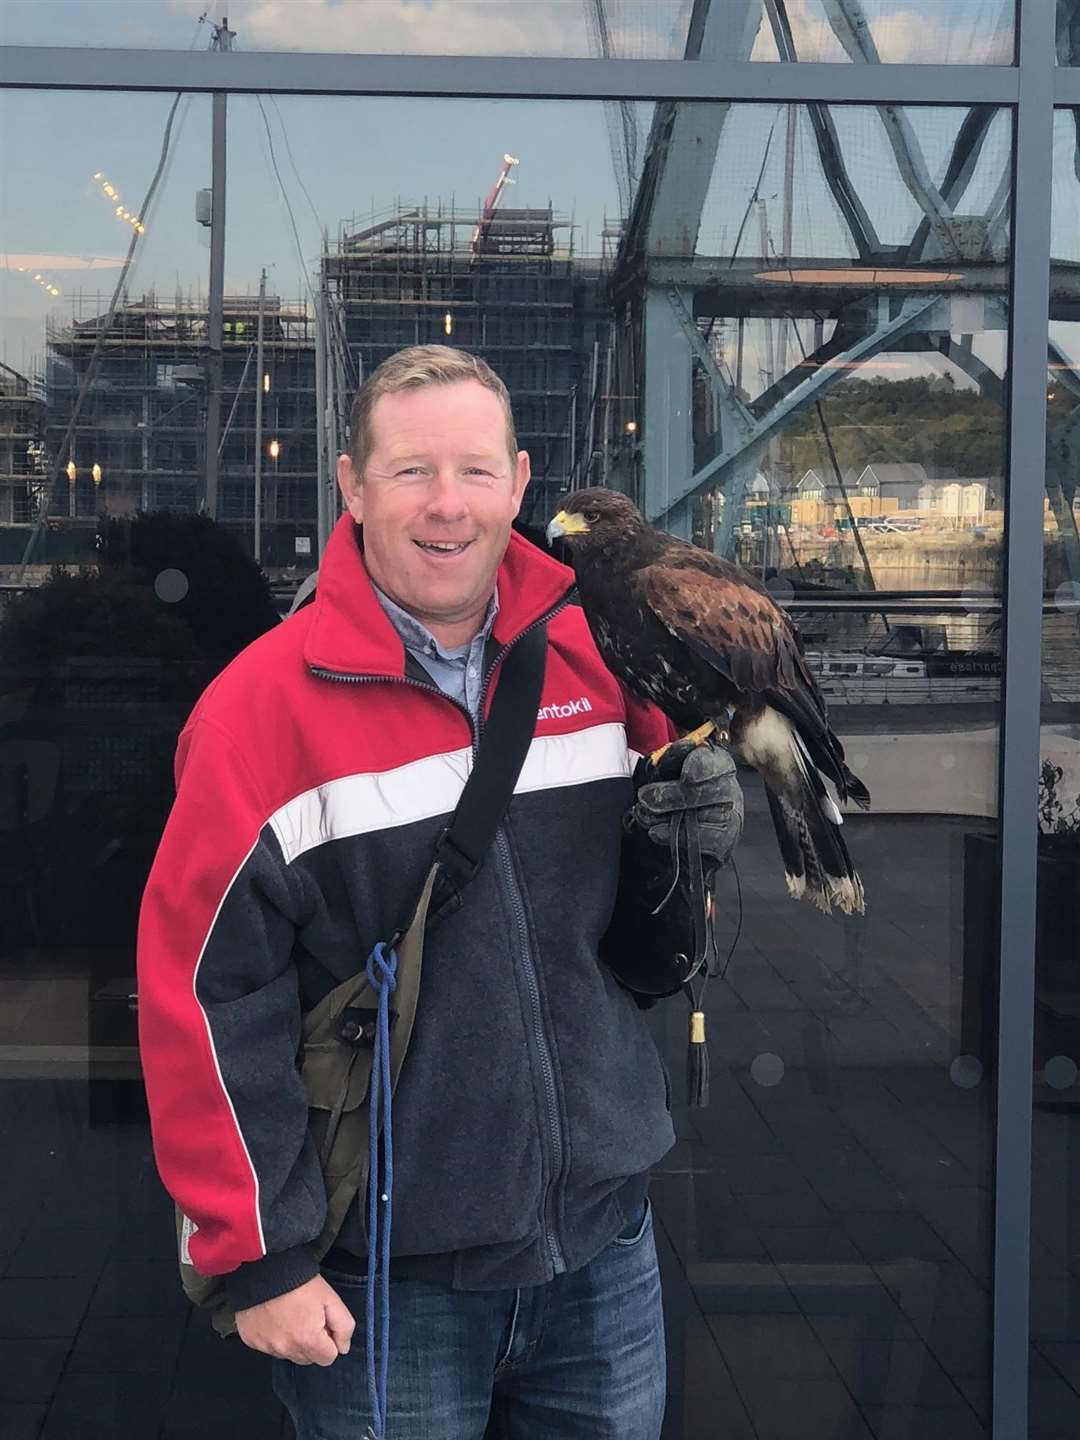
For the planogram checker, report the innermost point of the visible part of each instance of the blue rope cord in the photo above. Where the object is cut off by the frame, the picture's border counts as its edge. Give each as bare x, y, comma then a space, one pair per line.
382, 977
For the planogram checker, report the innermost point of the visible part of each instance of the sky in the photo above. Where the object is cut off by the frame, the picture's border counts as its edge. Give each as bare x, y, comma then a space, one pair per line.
975, 31
355, 155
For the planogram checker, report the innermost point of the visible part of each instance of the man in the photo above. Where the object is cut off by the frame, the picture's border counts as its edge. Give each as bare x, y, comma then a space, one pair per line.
315, 776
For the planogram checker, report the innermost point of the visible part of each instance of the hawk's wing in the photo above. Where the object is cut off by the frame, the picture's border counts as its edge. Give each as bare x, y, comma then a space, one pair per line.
744, 635
732, 626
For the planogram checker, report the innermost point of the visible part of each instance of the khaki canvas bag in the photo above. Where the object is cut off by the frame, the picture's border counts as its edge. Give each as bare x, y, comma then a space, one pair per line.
336, 1078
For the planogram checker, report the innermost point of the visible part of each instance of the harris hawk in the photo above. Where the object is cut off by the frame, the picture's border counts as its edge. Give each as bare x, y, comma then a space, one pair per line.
705, 642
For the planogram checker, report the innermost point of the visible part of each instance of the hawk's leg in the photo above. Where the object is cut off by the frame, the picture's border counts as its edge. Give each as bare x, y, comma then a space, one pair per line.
698, 736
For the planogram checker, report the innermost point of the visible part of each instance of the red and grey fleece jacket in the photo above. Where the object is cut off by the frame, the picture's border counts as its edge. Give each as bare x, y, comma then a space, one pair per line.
313, 778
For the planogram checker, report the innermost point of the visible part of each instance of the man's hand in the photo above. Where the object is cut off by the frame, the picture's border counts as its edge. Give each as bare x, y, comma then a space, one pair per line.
692, 777
310, 1325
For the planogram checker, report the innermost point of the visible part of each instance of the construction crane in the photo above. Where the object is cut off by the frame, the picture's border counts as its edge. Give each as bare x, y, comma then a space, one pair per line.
619, 114
487, 213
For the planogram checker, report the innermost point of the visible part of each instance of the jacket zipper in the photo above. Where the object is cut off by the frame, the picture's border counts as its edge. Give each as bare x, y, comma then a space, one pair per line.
502, 850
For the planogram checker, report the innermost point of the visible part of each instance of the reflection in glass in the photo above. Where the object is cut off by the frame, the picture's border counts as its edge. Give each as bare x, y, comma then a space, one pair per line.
824, 331
786, 336
118, 605
1055, 1237
939, 32
1068, 32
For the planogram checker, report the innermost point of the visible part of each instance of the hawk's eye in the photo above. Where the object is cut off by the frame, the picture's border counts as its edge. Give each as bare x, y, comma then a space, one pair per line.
593, 517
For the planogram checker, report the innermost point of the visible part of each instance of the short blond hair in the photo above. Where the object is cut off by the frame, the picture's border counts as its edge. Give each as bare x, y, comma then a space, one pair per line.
410, 369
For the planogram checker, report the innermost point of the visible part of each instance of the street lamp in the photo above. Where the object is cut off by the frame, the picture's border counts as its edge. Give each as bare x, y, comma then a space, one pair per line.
273, 450
71, 474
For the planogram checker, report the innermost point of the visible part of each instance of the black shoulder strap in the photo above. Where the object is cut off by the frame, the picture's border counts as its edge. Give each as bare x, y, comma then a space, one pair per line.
504, 743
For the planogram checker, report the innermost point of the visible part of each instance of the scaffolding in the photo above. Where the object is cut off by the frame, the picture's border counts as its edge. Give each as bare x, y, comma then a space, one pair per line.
22, 448
505, 284
502, 283
139, 441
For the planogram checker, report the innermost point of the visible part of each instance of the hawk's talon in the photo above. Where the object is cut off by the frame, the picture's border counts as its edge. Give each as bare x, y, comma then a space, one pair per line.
702, 733
698, 736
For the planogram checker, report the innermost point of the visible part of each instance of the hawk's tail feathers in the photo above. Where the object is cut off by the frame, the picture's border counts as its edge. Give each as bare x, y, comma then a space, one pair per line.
856, 790
807, 821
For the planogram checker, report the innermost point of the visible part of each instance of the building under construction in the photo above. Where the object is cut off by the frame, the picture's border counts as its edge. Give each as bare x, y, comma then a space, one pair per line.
22, 449
126, 413
127, 391
504, 284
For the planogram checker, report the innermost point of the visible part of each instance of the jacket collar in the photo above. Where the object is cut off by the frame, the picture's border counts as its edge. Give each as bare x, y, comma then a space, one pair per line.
351, 634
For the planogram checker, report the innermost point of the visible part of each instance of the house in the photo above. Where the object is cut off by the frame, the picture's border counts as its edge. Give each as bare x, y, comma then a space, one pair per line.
900, 483
810, 487
817, 501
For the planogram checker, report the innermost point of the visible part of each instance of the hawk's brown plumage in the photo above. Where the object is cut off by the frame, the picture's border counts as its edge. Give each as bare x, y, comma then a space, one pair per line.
704, 641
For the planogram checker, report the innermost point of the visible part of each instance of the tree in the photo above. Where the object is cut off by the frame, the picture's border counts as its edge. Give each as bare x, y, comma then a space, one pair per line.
220, 593
925, 420
91, 616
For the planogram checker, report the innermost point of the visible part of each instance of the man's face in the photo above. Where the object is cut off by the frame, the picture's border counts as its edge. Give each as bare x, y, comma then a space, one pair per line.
436, 499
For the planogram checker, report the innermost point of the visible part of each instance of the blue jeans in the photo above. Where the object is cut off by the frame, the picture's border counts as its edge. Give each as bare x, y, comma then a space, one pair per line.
578, 1358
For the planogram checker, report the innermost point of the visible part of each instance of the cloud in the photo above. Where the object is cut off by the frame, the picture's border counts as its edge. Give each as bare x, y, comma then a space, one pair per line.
405, 27
982, 36
974, 32
11, 261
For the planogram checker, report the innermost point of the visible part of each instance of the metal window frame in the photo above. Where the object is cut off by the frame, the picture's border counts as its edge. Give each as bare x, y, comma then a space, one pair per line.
1032, 87
1021, 716
494, 77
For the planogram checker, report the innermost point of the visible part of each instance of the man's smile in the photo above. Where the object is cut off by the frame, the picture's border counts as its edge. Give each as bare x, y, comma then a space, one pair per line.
443, 547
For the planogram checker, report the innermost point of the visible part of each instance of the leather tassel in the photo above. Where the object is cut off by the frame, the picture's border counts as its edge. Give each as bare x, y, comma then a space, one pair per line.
697, 1062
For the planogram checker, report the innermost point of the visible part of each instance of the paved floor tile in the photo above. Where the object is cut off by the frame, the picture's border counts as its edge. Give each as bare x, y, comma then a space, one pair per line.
99, 1406
1065, 1359
33, 1308
138, 1287
783, 1347
800, 1409
895, 1237
21, 1422
810, 1243
30, 1369
59, 1250
899, 1422
117, 1346
894, 1372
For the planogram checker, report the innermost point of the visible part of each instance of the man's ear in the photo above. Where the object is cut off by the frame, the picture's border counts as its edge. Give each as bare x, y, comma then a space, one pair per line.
351, 487
522, 474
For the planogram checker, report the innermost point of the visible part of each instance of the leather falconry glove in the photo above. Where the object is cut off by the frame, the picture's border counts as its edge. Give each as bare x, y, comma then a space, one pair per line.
697, 779
661, 935
690, 805
689, 800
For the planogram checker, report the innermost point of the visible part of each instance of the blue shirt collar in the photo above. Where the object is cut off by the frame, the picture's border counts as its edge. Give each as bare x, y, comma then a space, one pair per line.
417, 637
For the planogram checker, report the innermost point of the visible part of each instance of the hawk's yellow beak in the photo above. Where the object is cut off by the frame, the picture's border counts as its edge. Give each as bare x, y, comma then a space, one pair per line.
566, 523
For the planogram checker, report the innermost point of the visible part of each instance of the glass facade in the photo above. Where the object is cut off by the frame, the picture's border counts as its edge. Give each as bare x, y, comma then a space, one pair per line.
968, 32
1055, 1245
832, 1211
786, 327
